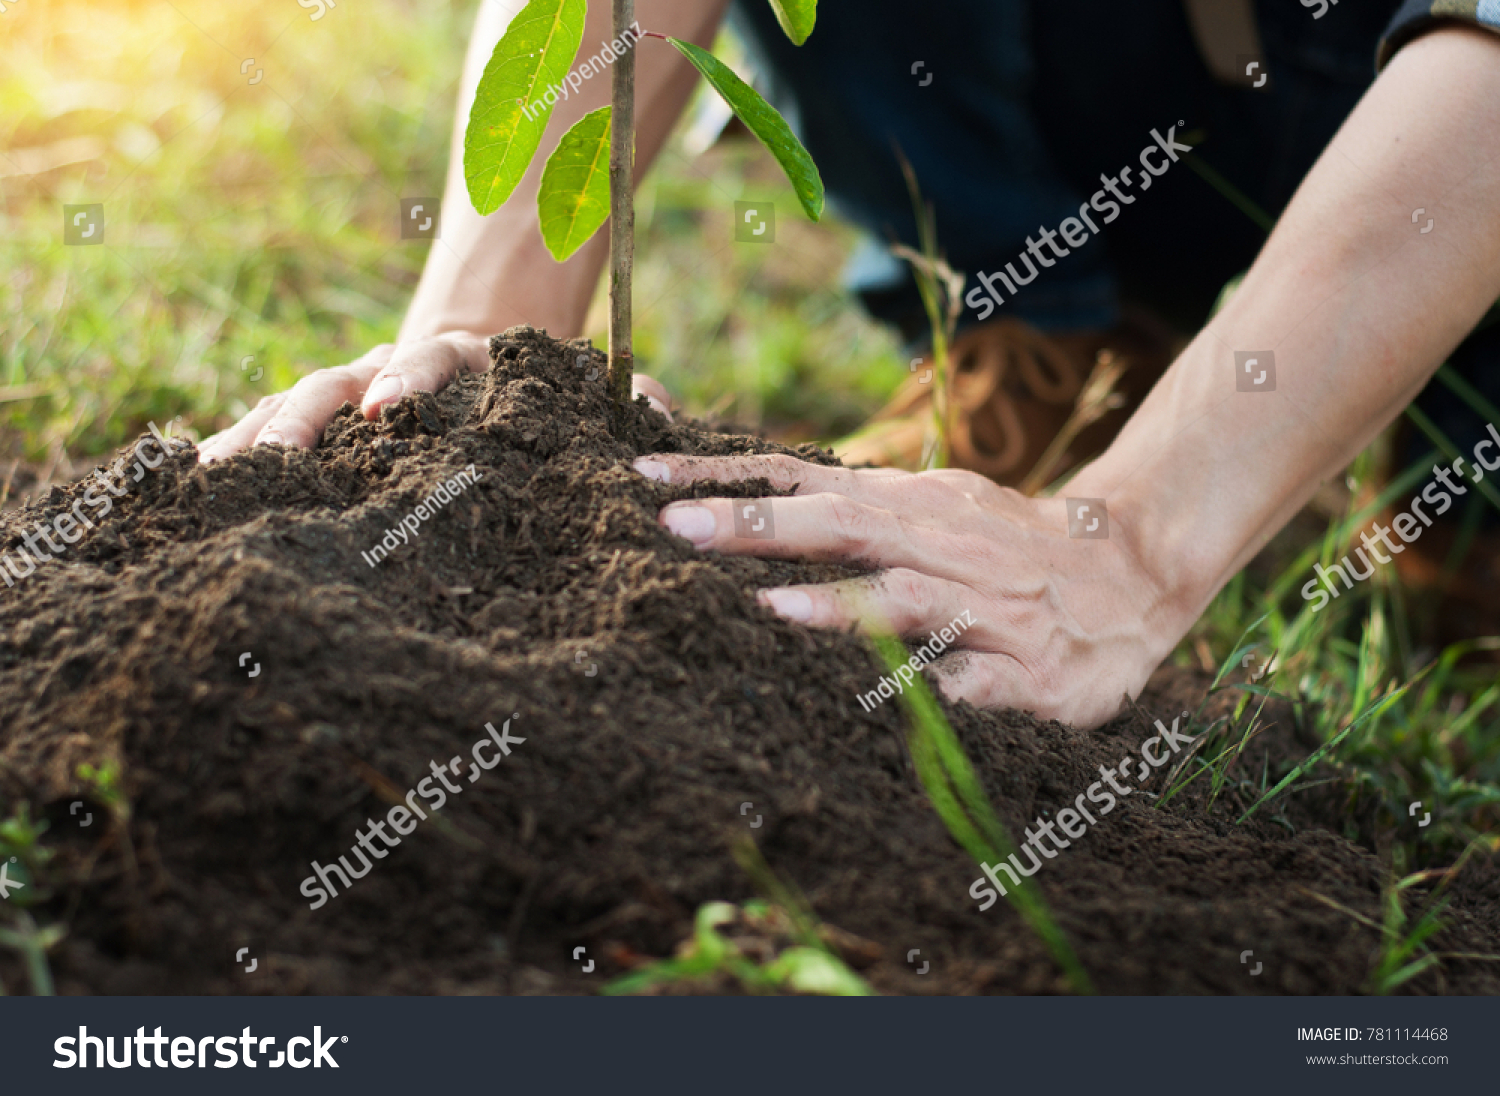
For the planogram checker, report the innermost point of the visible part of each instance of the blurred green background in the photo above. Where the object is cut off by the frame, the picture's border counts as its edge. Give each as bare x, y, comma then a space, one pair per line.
261, 220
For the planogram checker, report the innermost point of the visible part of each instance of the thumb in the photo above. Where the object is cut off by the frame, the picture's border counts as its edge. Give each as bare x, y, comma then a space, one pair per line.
656, 394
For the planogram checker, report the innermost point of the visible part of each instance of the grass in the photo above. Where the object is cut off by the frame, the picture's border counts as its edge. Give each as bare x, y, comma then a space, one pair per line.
1402, 732
251, 237
251, 231
809, 965
25, 857
1399, 723
959, 799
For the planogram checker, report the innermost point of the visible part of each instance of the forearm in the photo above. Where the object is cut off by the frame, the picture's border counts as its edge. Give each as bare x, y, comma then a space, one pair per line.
1359, 306
489, 273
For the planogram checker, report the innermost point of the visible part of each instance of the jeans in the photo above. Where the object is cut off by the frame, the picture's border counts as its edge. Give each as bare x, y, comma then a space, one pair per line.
1009, 110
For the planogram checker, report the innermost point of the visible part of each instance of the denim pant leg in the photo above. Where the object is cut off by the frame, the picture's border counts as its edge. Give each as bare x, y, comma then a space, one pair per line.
949, 84
1009, 110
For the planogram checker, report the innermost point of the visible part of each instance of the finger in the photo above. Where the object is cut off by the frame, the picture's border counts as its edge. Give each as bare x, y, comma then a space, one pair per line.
933, 613
232, 439
424, 365
785, 472
655, 392
311, 403
900, 601
992, 680
815, 527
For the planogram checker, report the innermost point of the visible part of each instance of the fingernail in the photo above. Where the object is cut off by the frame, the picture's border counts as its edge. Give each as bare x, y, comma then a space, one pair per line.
792, 604
270, 437
694, 523
654, 470
657, 405
385, 390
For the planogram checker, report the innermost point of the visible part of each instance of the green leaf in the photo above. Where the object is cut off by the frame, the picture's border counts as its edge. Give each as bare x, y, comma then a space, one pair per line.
808, 970
574, 198
796, 17
764, 122
510, 112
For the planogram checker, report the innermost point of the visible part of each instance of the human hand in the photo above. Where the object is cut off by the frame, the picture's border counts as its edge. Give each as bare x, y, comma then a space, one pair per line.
1061, 627
299, 415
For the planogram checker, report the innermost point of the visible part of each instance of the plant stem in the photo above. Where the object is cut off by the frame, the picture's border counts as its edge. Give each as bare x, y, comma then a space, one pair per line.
621, 210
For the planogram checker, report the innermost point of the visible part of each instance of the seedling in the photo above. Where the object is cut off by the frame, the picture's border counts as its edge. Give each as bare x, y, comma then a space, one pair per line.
797, 969
512, 107
20, 837
809, 965
33, 943
104, 785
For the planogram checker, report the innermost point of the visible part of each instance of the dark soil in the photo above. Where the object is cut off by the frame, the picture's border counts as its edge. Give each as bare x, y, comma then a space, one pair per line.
612, 823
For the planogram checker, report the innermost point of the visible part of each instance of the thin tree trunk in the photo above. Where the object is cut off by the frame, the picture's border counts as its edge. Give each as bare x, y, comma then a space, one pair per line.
621, 209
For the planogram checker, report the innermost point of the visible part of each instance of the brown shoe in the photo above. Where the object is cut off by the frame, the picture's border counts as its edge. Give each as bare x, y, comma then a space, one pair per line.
1013, 390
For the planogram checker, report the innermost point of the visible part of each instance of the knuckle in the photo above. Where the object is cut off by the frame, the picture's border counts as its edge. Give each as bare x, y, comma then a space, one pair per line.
377, 355
851, 521
972, 485
784, 470
913, 591
1048, 692
349, 380
271, 402
308, 383
337, 379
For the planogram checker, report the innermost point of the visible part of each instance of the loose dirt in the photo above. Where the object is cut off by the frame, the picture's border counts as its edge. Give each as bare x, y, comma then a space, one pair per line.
655, 699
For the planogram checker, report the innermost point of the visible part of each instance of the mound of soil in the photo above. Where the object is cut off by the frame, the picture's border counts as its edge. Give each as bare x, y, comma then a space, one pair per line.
222, 637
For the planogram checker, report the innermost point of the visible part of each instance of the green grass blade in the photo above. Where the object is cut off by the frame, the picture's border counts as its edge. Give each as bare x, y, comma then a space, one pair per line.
764, 122
1374, 710
1241, 648
1339, 534
1441, 440
1236, 196
503, 134
1466, 391
574, 197
951, 784
796, 17
1261, 690
1387, 982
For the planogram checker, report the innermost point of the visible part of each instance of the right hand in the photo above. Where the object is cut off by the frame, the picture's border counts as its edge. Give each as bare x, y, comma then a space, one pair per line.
300, 415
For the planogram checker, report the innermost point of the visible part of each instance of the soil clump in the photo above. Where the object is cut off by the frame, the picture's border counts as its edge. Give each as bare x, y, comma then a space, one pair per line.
654, 697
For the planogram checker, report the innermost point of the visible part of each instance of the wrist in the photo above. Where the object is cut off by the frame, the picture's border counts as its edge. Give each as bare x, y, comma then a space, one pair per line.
1188, 488
490, 274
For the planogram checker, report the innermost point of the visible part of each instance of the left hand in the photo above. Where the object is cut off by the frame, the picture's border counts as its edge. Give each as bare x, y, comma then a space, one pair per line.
1064, 628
